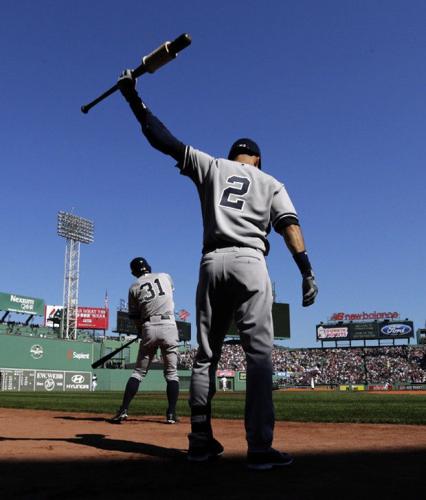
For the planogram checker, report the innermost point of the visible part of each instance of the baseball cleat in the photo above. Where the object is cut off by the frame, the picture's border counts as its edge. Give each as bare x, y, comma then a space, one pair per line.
203, 451
171, 418
265, 460
119, 417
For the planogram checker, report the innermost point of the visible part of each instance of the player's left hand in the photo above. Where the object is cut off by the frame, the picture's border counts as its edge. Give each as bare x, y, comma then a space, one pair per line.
126, 83
309, 290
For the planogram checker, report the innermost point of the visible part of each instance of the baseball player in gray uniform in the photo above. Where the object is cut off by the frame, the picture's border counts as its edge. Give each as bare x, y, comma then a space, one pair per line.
239, 204
151, 307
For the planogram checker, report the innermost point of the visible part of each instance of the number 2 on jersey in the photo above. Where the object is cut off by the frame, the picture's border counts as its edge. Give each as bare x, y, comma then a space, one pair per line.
149, 291
237, 193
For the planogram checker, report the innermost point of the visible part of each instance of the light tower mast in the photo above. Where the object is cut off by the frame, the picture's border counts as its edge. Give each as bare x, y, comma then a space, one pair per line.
76, 230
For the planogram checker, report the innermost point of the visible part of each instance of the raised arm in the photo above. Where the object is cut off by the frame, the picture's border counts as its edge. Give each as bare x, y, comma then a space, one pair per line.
154, 130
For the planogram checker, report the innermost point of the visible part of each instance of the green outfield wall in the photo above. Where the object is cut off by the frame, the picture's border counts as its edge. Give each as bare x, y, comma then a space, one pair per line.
46, 364
52, 354
115, 380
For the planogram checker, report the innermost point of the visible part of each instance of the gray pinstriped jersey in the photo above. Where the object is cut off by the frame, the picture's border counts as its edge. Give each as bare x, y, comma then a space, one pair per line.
151, 294
239, 202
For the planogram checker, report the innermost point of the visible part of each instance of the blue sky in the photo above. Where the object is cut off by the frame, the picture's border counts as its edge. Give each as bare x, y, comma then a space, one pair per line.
333, 91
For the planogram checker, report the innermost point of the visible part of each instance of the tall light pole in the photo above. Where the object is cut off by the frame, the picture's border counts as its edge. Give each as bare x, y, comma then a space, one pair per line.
76, 230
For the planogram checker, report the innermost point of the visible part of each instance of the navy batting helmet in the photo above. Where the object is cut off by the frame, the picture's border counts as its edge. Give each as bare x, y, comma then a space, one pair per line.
139, 266
244, 146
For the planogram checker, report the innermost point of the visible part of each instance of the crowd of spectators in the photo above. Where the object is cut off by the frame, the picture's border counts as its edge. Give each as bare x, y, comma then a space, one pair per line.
331, 366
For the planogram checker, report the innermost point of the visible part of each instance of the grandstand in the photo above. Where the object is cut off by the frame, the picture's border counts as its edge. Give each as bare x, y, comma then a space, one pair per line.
332, 367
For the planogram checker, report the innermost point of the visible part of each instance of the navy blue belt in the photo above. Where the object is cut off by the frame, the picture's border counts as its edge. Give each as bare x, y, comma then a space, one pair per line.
157, 316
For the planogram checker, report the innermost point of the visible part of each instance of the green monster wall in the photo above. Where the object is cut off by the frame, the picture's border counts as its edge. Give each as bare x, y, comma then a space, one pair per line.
40, 364
52, 354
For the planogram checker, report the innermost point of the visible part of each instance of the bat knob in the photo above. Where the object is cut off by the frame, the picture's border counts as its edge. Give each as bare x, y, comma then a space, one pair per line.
84, 109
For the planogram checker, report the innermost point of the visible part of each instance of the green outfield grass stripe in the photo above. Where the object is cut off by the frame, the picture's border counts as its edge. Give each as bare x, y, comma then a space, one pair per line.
289, 406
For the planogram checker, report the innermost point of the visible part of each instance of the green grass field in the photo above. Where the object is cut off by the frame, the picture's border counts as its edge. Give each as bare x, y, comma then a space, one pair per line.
353, 407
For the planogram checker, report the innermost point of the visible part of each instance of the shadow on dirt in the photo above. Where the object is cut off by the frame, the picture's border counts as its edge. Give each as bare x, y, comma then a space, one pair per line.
164, 473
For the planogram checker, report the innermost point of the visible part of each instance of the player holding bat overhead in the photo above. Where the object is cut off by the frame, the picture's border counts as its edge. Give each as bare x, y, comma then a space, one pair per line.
239, 203
151, 307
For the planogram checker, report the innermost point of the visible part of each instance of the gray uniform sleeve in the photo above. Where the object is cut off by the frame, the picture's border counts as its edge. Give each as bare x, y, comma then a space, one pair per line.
283, 212
133, 305
171, 281
196, 164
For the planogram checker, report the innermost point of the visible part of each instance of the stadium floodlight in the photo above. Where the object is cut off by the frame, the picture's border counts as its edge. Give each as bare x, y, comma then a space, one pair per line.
76, 230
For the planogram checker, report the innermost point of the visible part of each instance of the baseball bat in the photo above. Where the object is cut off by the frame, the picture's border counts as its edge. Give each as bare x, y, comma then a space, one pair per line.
150, 63
110, 355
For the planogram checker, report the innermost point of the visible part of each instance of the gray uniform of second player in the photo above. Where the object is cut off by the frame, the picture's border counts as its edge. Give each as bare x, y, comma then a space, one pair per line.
239, 204
151, 303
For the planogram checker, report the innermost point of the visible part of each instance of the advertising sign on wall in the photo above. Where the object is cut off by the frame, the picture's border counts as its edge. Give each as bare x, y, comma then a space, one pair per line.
332, 332
88, 318
396, 329
21, 304
225, 373
15, 379
92, 318
364, 316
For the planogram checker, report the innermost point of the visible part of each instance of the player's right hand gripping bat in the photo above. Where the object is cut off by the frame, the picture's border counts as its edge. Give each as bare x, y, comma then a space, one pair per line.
110, 355
150, 63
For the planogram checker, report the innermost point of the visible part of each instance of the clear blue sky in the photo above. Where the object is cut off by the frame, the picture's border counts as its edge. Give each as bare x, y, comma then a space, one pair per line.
332, 90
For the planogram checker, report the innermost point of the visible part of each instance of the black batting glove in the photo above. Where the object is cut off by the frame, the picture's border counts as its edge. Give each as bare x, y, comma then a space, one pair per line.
309, 289
127, 84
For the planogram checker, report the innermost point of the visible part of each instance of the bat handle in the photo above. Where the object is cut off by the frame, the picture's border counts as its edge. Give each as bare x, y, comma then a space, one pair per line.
86, 107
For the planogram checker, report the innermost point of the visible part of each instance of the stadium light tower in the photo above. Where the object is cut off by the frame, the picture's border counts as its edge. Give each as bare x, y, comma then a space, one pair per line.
76, 230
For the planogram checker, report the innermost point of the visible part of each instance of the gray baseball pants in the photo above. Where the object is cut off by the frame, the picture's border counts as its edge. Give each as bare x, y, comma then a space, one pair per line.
234, 283
164, 335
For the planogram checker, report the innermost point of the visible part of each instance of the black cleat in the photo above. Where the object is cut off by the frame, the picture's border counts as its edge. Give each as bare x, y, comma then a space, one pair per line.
171, 418
204, 450
119, 417
265, 460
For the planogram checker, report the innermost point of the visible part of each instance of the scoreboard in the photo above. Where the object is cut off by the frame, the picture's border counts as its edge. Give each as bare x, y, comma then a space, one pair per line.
373, 330
280, 318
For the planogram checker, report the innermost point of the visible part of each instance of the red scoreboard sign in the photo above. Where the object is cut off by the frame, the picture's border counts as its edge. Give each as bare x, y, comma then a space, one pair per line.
92, 318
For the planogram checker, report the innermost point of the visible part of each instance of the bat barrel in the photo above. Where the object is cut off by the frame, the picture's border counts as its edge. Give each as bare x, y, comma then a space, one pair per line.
163, 55
180, 43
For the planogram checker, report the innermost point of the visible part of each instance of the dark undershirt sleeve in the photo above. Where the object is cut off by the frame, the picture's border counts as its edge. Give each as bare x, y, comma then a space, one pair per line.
155, 131
283, 222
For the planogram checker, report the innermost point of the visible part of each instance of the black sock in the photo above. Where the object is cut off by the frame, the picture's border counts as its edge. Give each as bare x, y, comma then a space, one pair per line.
172, 395
201, 420
132, 387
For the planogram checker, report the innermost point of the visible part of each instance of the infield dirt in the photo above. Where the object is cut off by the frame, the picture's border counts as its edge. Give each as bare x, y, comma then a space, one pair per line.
45, 454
